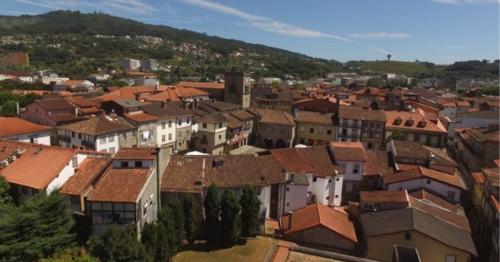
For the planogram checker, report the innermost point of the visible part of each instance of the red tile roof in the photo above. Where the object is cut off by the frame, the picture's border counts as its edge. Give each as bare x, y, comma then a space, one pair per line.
140, 117
377, 163
348, 151
201, 85
10, 126
429, 197
458, 220
320, 215
85, 174
410, 121
120, 185
420, 172
275, 117
383, 197
138, 153
37, 166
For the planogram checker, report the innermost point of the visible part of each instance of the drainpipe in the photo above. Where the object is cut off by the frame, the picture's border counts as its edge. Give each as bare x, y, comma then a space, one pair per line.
158, 196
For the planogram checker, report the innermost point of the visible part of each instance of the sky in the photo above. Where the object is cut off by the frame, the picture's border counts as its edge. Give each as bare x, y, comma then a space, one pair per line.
439, 31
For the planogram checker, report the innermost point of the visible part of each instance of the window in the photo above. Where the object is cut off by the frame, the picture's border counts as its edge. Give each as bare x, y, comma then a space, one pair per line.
315, 179
356, 169
428, 181
344, 131
170, 136
74, 161
328, 131
124, 164
451, 258
408, 236
138, 163
188, 120
112, 150
220, 125
287, 188
72, 134
111, 139
79, 136
180, 122
204, 125
170, 123
220, 136
451, 195
162, 138
311, 130
162, 125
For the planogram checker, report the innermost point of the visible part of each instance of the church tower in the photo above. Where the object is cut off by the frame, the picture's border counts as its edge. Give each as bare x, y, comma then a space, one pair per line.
237, 88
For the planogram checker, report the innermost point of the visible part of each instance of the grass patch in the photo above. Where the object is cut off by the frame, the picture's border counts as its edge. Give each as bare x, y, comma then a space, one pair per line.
252, 250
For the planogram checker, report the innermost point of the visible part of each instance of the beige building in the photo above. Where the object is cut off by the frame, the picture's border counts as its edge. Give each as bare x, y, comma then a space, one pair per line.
211, 136
434, 238
275, 129
315, 128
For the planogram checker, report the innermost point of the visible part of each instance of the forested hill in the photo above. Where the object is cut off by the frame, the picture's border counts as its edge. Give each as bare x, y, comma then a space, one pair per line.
74, 22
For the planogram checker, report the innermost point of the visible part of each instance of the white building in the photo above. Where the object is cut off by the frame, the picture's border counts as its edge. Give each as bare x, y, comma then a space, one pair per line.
102, 134
131, 64
17, 129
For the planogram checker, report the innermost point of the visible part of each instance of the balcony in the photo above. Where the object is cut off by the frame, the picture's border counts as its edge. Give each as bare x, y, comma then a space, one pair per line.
88, 144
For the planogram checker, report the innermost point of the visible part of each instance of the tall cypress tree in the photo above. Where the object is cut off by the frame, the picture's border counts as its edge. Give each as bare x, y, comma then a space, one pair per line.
178, 215
167, 239
212, 213
250, 206
230, 218
192, 218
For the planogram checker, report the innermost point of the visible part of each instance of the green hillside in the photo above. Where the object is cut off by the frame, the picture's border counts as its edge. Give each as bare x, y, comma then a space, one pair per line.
397, 67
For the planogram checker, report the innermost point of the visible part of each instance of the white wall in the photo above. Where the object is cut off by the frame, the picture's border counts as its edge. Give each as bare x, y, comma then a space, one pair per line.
295, 197
183, 121
42, 138
165, 128
67, 172
349, 168
107, 143
421, 183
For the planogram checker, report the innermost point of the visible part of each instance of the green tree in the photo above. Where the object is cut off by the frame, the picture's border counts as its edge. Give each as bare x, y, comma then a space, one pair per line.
167, 242
212, 213
149, 239
5, 197
250, 206
40, 227
192, 218
178, 215
117, 244
230, 218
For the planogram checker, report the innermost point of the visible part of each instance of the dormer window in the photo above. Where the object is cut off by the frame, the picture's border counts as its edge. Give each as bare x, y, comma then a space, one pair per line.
409, 122
422, 124
398, 121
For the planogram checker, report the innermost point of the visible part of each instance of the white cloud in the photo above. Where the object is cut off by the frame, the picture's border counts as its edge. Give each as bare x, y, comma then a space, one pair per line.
129, 6
380, 35
460, 2
264, 23
379, 50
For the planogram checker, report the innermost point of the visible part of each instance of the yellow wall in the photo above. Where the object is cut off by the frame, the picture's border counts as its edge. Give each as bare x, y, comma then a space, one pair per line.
380, 247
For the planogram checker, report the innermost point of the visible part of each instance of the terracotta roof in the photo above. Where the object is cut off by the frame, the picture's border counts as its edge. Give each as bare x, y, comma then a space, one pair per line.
201, 85
120, 185
85, 174
315, 118
232, 122
214, 118
408, 219
492, 175
140, 117
421, 172
377, 163
135, 153
458, 220
316, 104
54, 104
242, 115
65, 118
416, 121
73, 82
128, 92
275, 117
383, 197
186, 173
351, 112
410, 149
99, 125
422, 194
348, 151
10, 126
37, 166
172, 93
81, 101
484, 134
315, 160
320, 215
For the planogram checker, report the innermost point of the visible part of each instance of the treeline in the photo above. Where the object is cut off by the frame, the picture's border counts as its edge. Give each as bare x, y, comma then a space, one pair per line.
8, 102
